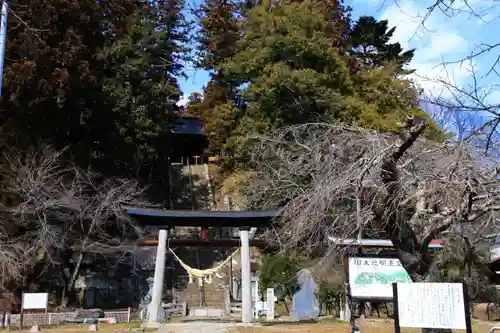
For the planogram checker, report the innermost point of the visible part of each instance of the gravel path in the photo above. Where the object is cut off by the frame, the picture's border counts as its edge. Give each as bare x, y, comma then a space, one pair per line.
202, 327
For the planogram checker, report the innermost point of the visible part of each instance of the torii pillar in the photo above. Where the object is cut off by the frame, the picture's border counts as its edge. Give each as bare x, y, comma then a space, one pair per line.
246, 279
155, 307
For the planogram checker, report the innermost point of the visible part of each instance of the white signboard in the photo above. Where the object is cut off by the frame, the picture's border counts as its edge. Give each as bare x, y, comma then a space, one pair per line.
431, 305
33, 301
373, 277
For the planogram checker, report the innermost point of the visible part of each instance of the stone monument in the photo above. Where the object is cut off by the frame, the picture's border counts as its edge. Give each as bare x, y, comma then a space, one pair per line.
305, 304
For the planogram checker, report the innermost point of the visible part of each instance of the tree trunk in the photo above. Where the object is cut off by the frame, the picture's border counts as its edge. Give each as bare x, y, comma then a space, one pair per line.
286, 307
66, 295
69, 294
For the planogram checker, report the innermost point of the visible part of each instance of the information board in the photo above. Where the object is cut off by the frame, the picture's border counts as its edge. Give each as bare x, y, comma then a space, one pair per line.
431, 305
373, 277
32, 301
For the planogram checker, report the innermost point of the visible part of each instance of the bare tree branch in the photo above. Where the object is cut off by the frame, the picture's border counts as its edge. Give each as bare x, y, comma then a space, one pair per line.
412, 190
50, 207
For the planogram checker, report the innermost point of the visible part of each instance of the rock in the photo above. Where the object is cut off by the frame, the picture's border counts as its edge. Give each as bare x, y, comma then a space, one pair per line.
93, 328
34, 328
305, 304
89, 313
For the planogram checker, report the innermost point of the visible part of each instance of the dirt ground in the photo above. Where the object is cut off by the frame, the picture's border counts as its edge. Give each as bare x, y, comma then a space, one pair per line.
368, 326
104, 328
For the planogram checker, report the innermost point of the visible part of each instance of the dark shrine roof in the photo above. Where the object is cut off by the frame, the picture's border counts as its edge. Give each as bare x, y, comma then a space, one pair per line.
160, 217
187, 125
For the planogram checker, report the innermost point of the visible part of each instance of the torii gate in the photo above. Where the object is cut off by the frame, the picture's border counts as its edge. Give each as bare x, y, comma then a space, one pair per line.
167, 219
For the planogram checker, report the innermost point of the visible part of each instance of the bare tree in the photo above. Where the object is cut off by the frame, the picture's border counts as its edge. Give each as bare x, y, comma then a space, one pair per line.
469, 110
335, 181
57, 213
478, 93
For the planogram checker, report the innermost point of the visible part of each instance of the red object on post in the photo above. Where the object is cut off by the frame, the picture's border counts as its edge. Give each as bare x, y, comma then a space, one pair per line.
204, 233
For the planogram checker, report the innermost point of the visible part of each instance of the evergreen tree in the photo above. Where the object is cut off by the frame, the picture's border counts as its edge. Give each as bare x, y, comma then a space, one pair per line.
142, 68
338, 21
54, 71
370, 40
219, 32
193, 105
279, 271
100, 77
294, 73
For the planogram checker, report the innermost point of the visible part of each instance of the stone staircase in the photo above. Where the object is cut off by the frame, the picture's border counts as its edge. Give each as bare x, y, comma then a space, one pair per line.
192, 189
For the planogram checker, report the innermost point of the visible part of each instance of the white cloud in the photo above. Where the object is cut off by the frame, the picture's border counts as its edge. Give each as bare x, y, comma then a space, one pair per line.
441, 44
432, 78
436, 41
407, 25
183, 100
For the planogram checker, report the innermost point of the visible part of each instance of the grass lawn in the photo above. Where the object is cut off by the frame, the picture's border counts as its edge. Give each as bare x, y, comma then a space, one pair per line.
368, 326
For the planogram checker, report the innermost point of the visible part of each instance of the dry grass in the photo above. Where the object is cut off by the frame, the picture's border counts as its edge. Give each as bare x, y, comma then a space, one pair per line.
368, 326
72, 328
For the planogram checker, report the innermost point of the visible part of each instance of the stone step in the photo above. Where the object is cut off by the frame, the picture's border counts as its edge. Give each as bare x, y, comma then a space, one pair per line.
206, 312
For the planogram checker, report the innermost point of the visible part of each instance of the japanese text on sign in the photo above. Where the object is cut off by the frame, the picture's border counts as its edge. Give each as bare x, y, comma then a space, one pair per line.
376, 262
373, 277
431, 305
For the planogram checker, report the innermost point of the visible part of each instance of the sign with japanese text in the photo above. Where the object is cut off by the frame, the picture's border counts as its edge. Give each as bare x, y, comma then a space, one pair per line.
373, 277
431, 305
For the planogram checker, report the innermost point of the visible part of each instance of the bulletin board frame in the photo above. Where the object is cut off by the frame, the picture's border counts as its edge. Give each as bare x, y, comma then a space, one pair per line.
420, 305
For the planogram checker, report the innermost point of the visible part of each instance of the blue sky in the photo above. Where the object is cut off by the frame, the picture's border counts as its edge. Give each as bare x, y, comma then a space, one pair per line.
444, 38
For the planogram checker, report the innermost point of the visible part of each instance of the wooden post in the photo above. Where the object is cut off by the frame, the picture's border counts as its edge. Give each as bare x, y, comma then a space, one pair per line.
128, 314
270, 303
255, 298
467, 311
227, 302
231, 296
397, 328
21, 315
184, 309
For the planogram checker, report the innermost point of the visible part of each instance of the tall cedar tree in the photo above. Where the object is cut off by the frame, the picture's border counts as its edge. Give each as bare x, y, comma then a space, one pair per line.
217, 39
370, 41
141, 80
54, 71
218, 34
96, 76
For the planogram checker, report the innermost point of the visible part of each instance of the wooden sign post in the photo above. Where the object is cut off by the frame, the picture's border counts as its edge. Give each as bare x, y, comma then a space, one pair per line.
33, 301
